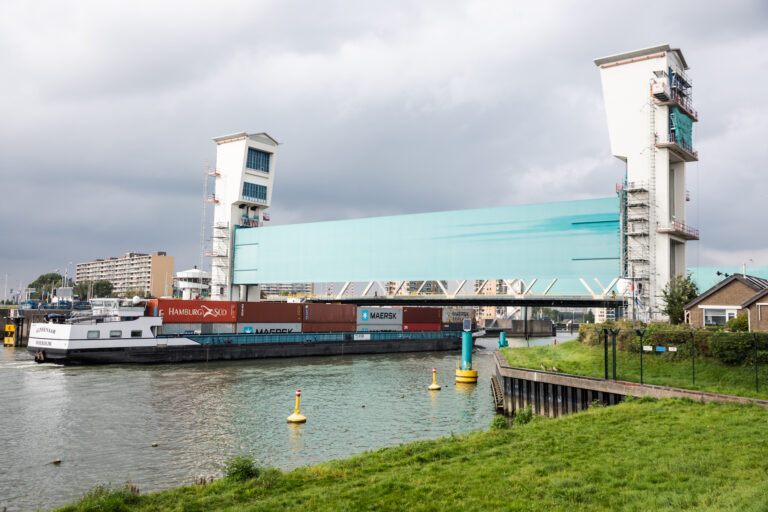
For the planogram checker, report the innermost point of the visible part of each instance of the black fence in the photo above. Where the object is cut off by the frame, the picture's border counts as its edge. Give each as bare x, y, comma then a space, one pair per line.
729, 363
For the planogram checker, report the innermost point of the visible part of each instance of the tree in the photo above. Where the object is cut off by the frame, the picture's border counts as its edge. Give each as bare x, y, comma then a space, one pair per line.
102, 288
680, 290
589, 317
81, 289
46, 283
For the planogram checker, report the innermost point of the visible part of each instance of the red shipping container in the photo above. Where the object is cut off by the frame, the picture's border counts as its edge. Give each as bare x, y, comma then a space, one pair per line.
415, 315
193, 311
268, 312
328, 327
422, 327
330, 313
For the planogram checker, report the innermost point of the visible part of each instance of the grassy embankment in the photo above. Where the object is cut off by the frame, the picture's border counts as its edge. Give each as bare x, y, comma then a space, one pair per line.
577, 359
640, 455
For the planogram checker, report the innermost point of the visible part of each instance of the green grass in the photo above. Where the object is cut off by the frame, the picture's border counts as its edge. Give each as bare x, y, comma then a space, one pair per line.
577, 359
637, 456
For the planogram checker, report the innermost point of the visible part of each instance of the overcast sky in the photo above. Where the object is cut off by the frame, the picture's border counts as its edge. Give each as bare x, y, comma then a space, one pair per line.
108, 110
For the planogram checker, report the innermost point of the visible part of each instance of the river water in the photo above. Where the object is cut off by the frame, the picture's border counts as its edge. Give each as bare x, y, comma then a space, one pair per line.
101, 421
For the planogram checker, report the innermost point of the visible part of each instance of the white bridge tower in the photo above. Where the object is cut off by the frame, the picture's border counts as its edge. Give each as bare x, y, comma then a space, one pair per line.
244, 174
650, 116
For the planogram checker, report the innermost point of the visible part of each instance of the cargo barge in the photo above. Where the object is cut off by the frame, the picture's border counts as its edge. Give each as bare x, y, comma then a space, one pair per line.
173, 331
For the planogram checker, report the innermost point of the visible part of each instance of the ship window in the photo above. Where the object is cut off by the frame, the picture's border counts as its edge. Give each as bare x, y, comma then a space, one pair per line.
135, 334
258, 160
115, 334
93, 335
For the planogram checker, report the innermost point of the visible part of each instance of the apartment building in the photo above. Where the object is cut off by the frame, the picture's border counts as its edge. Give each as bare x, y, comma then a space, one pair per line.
144, 273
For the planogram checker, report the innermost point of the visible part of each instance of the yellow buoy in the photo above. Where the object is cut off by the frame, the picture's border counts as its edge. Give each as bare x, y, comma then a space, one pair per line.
434, 386
297, 417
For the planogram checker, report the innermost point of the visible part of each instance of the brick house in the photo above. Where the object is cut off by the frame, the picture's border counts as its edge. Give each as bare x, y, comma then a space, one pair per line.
735, 295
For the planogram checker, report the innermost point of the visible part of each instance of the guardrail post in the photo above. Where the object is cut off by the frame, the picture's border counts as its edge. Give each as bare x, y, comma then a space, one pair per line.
605, 346
614, 332
757, 379
693, 355
642, 335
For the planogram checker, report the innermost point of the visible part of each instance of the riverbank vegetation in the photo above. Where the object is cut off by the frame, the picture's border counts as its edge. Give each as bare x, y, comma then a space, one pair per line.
639, 455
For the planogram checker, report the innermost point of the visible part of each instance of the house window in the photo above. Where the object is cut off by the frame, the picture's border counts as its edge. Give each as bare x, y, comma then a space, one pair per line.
258, 160
718, 316
93, 335
254, 191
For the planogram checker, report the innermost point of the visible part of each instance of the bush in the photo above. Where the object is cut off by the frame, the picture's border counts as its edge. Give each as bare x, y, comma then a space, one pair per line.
739, 348
241, 468
738, 324
523, 416
499, 422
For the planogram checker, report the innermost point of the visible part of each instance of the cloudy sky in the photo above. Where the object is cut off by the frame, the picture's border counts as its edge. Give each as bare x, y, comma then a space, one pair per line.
108, 110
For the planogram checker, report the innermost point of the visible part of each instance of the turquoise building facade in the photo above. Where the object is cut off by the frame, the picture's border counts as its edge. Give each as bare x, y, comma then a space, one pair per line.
569, 241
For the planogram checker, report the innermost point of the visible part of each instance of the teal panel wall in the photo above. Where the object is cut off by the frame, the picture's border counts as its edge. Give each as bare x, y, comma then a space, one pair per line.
567, 240
706, 277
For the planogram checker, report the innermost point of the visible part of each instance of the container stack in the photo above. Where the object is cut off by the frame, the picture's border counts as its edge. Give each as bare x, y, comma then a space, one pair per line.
453, 318
422, 319
194, 316
268, 317
379, 319
328, 318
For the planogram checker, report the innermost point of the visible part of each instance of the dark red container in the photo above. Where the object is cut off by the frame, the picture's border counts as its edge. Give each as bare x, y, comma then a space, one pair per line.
329, 313
268, 312
328, 327
177, 311
422, 316
422, 327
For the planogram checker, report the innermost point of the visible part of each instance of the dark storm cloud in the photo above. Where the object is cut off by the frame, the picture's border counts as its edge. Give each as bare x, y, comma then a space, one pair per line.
382, 108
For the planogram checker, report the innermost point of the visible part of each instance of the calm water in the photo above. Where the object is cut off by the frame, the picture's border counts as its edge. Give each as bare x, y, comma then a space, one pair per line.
101, 421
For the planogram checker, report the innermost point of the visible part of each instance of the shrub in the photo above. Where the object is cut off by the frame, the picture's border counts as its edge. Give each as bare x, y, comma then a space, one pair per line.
738, 324
739, 347
523, 416
499, 422
241, 468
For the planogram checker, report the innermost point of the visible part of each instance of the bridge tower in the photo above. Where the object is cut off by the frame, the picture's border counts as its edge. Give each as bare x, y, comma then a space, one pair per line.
650, 113
244, 174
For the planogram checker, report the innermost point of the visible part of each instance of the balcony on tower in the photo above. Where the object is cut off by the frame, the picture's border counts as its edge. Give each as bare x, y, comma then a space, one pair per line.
679, 137
679, 229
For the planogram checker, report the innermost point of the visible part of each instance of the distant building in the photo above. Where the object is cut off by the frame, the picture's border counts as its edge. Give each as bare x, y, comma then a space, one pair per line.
737, 295
144, 273
490, 287
283, 289
192, 283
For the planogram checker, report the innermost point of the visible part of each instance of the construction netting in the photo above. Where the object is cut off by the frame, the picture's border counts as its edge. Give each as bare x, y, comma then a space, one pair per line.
682, 128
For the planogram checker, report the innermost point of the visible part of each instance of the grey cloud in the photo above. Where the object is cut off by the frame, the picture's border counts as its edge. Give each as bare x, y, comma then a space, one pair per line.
383, 109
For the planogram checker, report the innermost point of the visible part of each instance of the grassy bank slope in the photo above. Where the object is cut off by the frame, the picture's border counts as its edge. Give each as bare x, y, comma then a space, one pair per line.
640, 455
711, 375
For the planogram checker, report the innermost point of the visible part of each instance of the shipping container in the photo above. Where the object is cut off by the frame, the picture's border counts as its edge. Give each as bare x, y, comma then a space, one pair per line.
268, 312
456, 327
193, 311
329, 313
423, 315
453, 315
328, 327
365, 327
422, 327
189, 328
218, 328
267, 328
379, 316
